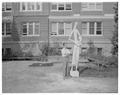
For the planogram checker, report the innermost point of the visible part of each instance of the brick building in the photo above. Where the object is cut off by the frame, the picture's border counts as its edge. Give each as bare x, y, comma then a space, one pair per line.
27, 26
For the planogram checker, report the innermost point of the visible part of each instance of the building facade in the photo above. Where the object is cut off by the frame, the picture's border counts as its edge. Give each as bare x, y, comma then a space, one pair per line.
27, 26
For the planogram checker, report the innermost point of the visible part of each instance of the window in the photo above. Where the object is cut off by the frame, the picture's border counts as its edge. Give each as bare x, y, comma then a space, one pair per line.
92, 6
6, 29
25, 29
84, 28
38, 6
68, 28
31, 6
99, 30
61, 28
31, 28
6, 6
54, 28
3, 51
99, 6
24, 6
61, 6
68, 7
99, 51
8, 51
37, 27
92, 28
54, 7
3, 28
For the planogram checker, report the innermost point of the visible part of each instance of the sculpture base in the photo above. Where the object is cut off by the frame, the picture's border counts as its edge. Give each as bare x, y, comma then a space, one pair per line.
74, 72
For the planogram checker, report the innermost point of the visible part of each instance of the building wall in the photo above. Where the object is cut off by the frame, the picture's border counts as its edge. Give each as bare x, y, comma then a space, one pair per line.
18, 42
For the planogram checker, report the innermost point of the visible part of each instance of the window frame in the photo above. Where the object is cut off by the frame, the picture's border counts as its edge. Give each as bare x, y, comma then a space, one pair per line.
57, 4
64, 26
95, 28
33, 31
5, 7
26, 7
5, 30
88, 6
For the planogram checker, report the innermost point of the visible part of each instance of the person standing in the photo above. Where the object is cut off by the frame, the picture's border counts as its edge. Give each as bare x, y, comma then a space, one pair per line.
65, 54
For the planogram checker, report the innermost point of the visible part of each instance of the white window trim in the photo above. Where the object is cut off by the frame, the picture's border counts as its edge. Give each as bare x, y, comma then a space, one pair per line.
60, 10
58, 30
5, 32
95, 27
30, 10
88, 9
28, 35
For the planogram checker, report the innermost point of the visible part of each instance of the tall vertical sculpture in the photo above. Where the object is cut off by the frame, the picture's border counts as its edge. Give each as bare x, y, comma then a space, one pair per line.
76, 38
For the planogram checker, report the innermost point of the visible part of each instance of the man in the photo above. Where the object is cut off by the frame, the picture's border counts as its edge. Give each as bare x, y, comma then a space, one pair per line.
65, 54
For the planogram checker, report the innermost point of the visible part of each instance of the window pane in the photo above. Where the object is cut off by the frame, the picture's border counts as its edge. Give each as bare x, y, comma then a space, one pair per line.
37, 28
99, 51
84, 28
30, 6
91, 5
38, 6
3, 6
23, 6
98, 5
61, 7
91, 28
8, 28
54, 29
61, 29
8, 51
30, 32
25, 29
68, 28
8, 6
98, 30
3, 28
54, 6
84, 5
68, 7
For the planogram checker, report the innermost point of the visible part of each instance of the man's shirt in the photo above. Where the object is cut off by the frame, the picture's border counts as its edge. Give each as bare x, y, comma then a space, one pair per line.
65, 52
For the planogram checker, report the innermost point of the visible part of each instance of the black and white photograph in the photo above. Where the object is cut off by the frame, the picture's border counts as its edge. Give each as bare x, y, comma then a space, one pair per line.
59, 47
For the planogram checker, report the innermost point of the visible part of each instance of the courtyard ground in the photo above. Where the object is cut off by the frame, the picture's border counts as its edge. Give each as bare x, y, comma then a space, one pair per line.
19, 77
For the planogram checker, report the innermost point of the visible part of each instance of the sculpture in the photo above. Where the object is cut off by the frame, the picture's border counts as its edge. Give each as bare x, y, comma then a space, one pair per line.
76, 38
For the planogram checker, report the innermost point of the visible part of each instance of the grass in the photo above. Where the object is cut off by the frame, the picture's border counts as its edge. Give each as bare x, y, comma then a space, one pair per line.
18, 77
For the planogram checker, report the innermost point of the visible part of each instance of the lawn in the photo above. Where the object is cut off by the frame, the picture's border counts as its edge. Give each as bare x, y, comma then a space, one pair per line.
19, 77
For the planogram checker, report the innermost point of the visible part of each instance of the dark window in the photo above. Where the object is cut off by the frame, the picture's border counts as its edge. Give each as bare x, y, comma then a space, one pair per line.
8, 28
99, 51
3, 28
61, 7
8, 51
8, 6
25, 29
98, 30
68, 7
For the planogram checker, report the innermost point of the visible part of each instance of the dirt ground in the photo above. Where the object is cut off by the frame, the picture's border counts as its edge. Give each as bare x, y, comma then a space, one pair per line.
18, 77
